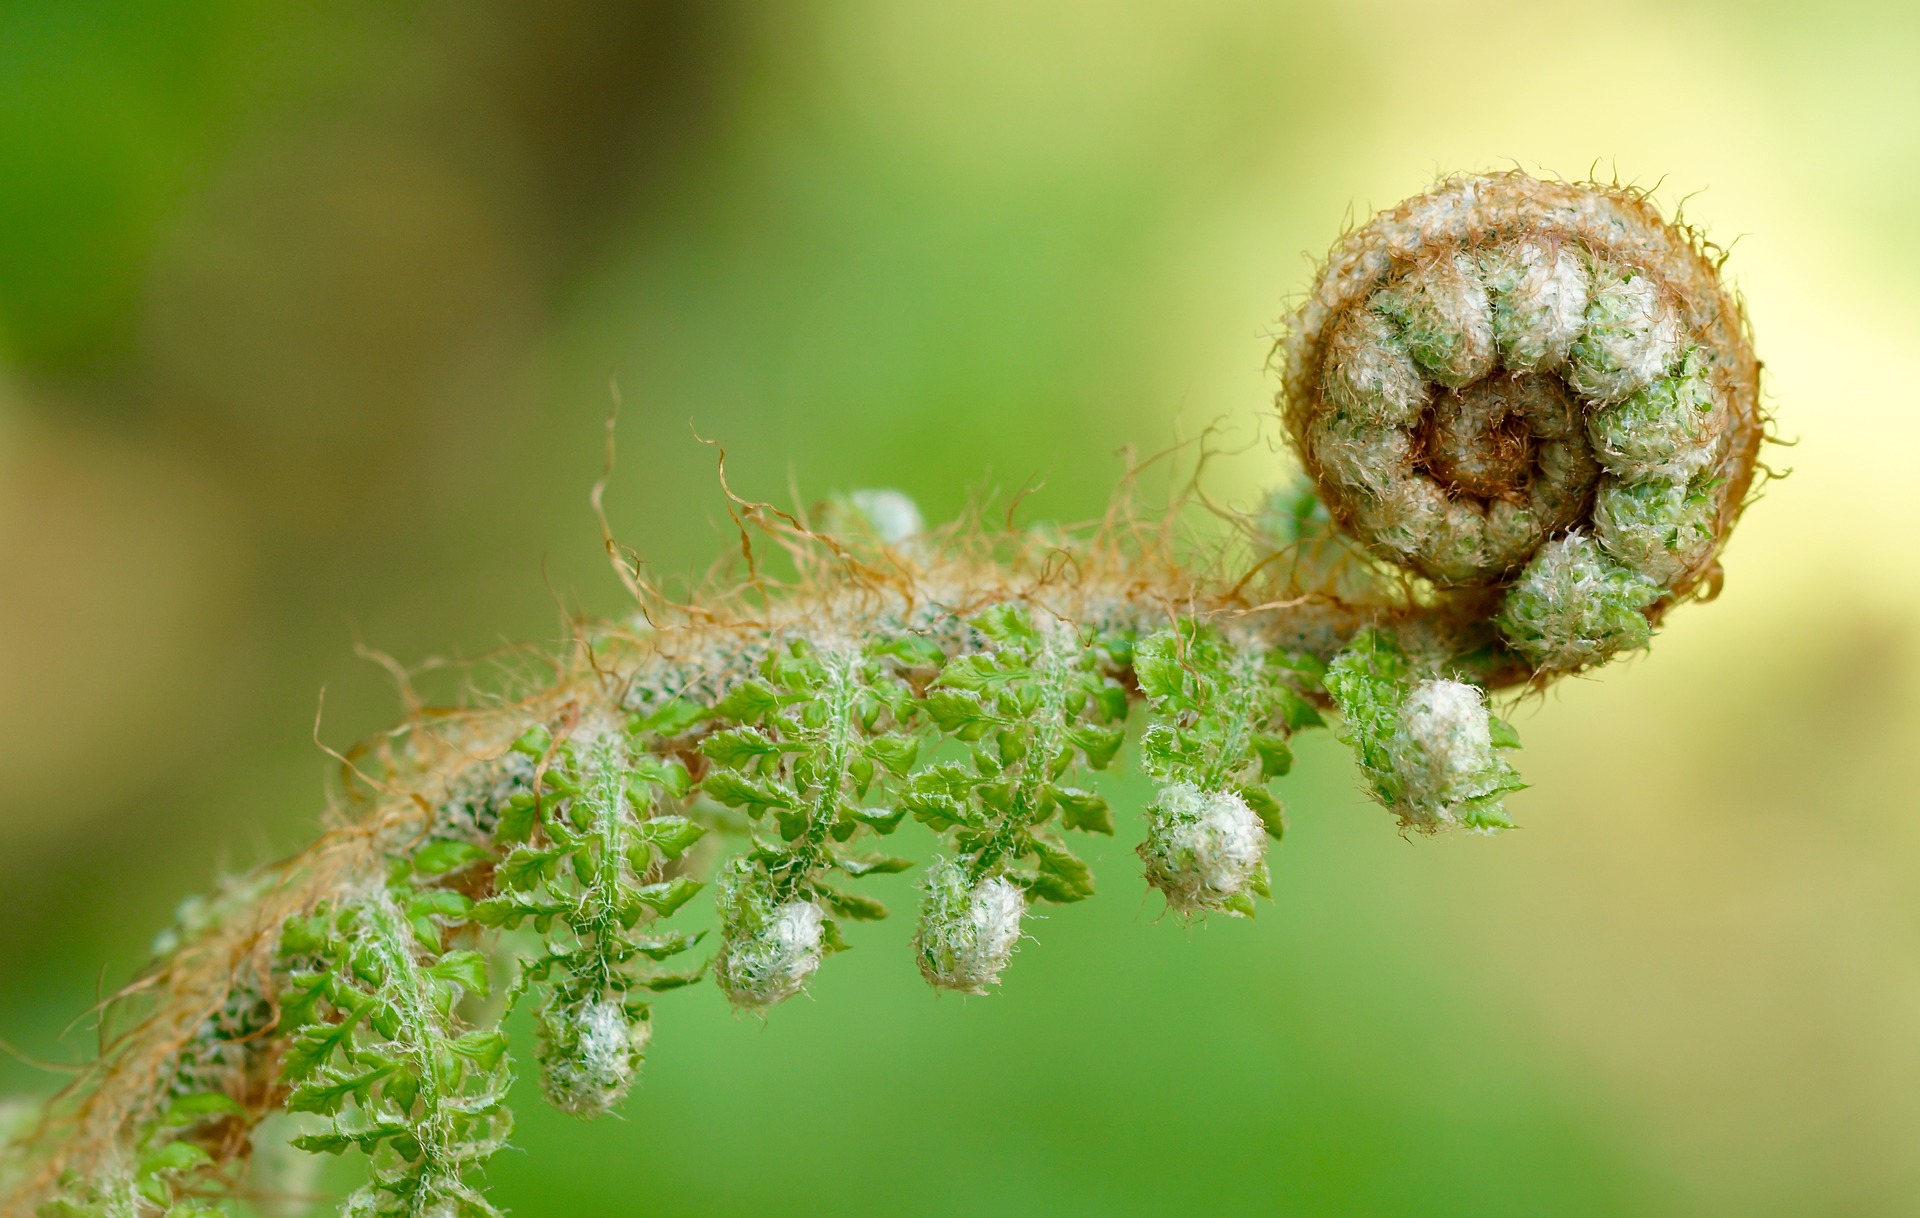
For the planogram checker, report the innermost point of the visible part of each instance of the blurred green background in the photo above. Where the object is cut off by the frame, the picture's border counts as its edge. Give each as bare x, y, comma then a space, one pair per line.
307, 314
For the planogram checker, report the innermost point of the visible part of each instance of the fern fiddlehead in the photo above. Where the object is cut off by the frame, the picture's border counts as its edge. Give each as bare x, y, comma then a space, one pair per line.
1528, 414
1534, 389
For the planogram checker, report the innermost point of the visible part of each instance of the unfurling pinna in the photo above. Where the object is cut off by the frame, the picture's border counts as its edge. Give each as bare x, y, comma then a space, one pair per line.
1528, 415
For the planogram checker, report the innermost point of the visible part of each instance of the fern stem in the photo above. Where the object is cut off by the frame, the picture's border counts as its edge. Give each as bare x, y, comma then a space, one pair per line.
1528, 413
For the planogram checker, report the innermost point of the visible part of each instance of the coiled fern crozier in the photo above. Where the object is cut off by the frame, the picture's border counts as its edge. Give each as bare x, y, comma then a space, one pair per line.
1528, 413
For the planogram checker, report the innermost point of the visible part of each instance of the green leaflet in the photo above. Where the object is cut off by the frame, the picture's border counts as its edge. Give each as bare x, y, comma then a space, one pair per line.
1220, 714
590, 882
1427, 746
169, 1167
1369, 682
823, 751
807, 740
1037, 702
379, 1050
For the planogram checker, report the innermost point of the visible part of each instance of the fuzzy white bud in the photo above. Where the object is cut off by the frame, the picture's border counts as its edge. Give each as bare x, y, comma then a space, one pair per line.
1574, 605
589, 1054
769, 951
1204, 849
893, 516
1444, 744
1539, 295
967, 931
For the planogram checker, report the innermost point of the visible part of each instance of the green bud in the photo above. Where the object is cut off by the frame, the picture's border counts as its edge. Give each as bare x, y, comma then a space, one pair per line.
1203, 849
1659, 528
1443, 753
967, 930
1574, 606
1631, 339
769, 948
589, 1054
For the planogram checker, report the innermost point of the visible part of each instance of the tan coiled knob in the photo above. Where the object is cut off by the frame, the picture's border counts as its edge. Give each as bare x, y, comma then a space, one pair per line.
1531, 385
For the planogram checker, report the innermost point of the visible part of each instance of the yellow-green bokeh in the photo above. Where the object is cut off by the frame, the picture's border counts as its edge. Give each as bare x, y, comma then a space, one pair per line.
307, 317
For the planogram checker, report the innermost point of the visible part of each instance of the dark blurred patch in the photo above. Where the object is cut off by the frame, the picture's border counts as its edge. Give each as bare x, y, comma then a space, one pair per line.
1858, 666
342, 230
604, 97
347, 309
111, 114
325, 305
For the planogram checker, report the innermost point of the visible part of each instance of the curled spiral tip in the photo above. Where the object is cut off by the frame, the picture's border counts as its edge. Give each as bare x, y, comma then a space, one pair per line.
1536, 387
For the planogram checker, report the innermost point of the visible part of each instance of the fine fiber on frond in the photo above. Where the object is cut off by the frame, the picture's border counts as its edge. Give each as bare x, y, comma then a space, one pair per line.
1528, 416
